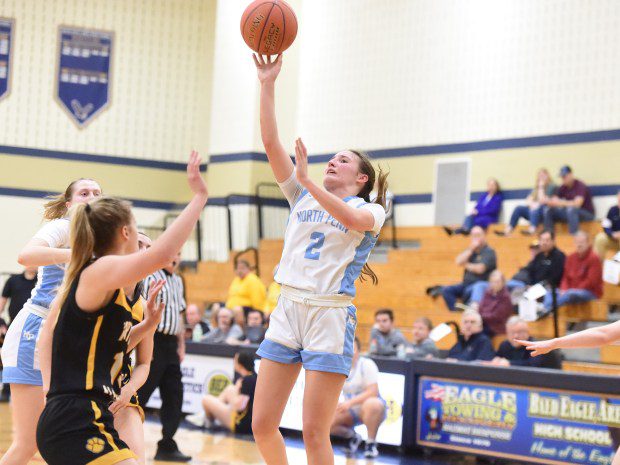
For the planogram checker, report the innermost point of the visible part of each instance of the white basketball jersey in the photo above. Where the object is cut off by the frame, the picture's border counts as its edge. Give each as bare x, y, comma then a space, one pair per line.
320, 255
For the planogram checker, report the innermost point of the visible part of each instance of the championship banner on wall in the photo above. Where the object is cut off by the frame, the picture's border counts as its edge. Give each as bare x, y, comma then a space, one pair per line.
202, 375
6, 49
526, 423
83, 75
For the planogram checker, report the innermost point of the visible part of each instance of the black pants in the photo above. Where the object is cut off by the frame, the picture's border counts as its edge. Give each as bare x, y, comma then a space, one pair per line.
165, 374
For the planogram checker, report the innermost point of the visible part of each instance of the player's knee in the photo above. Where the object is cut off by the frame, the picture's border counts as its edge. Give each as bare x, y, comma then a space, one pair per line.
314, 433
373, 405
262, 427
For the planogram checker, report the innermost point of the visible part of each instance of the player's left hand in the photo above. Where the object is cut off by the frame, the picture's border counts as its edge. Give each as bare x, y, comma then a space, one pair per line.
123, 400
154, 308
301, 162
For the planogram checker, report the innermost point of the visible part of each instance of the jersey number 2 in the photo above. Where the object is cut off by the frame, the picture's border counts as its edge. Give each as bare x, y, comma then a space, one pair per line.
312, 252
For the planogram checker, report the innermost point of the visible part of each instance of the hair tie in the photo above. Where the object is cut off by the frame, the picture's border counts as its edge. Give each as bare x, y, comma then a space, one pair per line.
87, 208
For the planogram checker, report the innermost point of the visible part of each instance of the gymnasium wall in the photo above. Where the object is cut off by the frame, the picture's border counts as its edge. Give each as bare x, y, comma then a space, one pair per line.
510, 86
136, 148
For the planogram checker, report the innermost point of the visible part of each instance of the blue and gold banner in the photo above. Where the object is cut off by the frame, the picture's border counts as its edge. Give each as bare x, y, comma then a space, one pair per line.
84, 72
6, 49
527, 423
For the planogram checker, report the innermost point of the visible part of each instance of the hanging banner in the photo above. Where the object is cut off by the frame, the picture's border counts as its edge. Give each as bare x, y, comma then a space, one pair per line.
526, 423
84, 72
6, 49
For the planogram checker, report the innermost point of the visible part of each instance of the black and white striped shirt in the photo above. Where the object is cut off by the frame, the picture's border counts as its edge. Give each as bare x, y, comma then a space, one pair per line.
172, 295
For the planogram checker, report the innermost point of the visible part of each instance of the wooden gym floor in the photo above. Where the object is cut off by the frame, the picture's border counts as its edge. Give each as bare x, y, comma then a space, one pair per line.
222, 449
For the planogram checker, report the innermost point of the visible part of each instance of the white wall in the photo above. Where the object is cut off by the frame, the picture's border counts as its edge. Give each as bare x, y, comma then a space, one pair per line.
161, 76
396, 73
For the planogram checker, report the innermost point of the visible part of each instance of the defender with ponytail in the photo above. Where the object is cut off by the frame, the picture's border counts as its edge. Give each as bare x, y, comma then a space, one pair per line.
48, 250
92, 330
329, 236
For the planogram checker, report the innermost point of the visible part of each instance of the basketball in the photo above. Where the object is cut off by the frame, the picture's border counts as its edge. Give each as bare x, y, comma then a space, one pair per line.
269, 26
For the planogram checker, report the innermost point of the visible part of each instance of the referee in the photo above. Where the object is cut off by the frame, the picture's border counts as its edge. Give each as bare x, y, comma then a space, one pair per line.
168, 353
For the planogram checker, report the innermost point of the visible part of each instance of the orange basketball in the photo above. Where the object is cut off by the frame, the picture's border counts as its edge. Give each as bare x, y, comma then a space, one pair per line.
269, 26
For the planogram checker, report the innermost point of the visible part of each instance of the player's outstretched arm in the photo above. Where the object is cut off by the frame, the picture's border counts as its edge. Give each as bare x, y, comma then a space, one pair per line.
119, 271
593, 337
351, 218
268, 70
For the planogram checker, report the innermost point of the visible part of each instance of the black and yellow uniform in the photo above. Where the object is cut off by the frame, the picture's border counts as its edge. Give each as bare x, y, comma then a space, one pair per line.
137, 315
76, 427
242, 421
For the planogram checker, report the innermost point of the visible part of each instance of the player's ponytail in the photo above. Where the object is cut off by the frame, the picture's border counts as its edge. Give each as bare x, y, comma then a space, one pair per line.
366, 167
56, 205
93, 229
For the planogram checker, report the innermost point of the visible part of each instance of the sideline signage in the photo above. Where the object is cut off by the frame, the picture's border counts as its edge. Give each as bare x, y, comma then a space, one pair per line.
527, 423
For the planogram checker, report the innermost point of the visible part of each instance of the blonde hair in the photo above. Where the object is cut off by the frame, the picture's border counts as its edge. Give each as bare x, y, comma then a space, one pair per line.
366, 167
93, 229
56, 205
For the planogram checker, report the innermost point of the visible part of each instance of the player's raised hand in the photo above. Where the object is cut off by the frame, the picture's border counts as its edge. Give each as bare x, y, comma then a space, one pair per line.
301, 162
154, 308
267, 67
194, 178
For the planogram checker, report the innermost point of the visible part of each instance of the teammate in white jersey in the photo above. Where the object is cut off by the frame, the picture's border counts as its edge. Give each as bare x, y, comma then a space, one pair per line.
48, 250
329, 236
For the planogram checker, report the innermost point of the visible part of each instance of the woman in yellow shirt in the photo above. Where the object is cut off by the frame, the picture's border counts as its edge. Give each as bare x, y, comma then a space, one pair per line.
246, 290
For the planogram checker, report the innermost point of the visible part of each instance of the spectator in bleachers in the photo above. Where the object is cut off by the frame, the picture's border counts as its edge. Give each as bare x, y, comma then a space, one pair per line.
362, 405
385, 339
273, 294
232, 409
546, 267
422, 346
571, 204
225, 328
472, 343
534, 209
496, 306
609, 239
478, 261
246, 289
196, 326
253, 331
510, 353
486, 211
582, 280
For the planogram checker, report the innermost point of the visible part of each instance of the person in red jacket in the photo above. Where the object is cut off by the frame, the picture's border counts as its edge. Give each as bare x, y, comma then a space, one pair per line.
495, 307
583, 275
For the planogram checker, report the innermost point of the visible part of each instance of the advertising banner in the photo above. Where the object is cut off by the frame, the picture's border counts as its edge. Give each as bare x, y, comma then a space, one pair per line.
527, 423
202, 375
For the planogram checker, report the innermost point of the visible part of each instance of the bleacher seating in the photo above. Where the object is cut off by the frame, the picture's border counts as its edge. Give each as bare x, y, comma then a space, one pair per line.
408, 272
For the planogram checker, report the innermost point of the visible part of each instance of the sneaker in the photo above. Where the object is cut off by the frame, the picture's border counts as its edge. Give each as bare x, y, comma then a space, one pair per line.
354, 444
371, 451
171, 456
448, 231
197, 419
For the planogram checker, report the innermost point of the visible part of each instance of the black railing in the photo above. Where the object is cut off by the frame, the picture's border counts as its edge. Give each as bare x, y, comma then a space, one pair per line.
260, 202
155, 231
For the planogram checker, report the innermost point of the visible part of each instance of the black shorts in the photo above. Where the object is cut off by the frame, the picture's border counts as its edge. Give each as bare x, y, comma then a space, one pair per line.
76, 430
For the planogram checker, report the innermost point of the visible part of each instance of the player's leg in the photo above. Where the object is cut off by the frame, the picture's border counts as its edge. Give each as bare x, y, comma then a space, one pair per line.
128, 424
321, 396
273, 388
218, 410
26, 407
